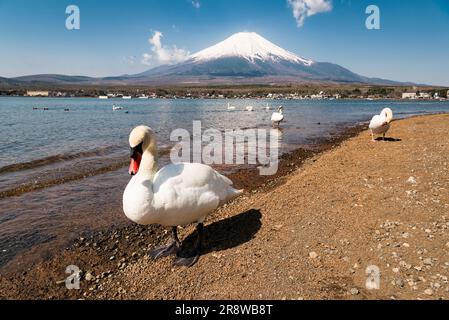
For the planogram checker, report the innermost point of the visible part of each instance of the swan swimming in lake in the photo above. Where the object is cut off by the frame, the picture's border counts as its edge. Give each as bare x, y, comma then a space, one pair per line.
176, 195
380, 124
278, 116
230, 108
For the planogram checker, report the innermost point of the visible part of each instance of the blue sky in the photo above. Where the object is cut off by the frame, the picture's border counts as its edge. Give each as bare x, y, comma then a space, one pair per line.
412, 44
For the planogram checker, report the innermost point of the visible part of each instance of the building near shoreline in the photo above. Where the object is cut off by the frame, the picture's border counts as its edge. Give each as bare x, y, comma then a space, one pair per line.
37, 94
409, 95
424, 95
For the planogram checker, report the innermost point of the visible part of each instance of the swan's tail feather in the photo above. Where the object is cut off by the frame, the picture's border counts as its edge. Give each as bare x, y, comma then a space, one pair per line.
231, 194
234, 193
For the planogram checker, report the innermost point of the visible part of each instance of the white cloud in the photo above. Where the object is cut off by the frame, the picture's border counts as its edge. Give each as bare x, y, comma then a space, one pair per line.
129, 59
306, 8
196, 3
162, 54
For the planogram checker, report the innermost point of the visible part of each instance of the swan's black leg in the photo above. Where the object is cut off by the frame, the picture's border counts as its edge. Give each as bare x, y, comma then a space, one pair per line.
167, 250
190, 261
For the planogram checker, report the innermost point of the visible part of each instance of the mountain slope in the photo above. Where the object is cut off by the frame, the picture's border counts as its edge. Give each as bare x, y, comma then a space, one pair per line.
248, 57
243, 58
249, 46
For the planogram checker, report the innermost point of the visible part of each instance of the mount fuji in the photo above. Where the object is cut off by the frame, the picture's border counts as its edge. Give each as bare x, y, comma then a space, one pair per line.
247, 57
243, 58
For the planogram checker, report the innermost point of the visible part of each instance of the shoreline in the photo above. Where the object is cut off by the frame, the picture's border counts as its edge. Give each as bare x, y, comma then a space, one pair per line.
240, 98
244, 178
106, 254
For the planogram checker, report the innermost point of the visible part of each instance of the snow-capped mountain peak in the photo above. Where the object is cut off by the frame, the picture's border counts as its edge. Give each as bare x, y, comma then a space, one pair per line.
250, 46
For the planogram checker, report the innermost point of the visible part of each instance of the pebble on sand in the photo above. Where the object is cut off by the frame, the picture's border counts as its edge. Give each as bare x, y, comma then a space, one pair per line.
89, 277
354, 291
428, 292
313, 255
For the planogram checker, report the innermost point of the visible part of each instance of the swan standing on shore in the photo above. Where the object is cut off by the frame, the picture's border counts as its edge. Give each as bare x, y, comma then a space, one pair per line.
278, 117
380, 124
176, 195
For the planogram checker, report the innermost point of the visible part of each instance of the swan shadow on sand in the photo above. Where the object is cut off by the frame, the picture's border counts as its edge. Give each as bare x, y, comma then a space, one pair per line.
225, 234
388, 139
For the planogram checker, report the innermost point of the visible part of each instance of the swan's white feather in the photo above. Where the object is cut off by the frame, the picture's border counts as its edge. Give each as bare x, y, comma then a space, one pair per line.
380, 124
277, 117
179, 194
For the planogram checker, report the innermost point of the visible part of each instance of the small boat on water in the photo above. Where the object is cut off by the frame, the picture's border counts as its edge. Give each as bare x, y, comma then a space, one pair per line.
103, 97
249, 108
127, 97
116, 108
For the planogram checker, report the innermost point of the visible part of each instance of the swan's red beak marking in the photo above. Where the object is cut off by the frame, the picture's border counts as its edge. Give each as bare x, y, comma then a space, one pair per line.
136, 158
134, 166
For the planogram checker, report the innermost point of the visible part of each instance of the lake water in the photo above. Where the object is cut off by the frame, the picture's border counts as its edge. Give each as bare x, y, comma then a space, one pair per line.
62, 173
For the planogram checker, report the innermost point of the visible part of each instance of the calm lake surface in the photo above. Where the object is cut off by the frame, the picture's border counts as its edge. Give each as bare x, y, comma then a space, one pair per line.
62, 173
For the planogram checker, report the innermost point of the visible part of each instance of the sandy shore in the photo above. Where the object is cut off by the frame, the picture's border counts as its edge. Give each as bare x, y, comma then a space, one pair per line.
308, 235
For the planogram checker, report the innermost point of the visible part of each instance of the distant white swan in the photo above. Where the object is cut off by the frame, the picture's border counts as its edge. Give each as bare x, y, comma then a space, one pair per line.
249, 108
176, 195
380, 124
230, 108
278, 116
116, 108
267, 107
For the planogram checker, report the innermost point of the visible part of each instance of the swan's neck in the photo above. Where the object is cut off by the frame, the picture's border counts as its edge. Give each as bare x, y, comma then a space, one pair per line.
149, 163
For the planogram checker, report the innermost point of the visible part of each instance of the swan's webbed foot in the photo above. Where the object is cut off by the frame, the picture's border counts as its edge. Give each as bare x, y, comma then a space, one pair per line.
169, 249
164, 251
181, 261
186, 262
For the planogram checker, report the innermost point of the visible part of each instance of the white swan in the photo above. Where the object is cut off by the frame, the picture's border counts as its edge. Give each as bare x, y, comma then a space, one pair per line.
230, 108
380, 124
278, 116
116, 108
267, 107
176, 195
249, 108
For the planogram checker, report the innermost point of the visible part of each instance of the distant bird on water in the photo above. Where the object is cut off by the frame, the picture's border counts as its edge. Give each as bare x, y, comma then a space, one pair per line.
278, 117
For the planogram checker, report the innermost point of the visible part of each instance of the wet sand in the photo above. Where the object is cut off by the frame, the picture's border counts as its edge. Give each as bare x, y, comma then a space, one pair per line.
308, 233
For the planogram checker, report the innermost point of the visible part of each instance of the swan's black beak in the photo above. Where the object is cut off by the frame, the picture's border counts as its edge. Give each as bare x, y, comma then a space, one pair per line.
136, 158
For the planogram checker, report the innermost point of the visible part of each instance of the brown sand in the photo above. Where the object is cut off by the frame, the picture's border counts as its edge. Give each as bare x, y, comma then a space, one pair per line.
312, 237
